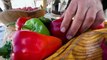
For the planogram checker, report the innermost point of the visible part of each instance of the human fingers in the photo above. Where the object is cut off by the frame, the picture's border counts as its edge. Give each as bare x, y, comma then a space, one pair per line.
89, 20
99, 18
77, 22
68, 15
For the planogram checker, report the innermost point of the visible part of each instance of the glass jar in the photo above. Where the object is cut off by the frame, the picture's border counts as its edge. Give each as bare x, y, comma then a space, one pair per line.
58, 6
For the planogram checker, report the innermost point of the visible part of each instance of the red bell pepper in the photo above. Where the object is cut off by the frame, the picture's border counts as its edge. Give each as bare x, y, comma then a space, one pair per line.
102, 25
27, 8
20, 22
55, 29
104, 48
29, 45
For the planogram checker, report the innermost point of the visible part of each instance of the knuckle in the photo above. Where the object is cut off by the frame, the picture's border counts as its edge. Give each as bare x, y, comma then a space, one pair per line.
79, 20
90, 19
101, 19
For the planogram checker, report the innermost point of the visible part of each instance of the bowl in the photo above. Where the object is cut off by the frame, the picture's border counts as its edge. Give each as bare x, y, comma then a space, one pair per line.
9, 16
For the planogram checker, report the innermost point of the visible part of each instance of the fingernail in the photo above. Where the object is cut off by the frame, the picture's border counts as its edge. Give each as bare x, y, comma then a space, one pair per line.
62, 29
69, 36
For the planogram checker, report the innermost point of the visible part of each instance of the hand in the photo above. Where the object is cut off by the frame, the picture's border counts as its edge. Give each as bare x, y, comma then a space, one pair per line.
86, 13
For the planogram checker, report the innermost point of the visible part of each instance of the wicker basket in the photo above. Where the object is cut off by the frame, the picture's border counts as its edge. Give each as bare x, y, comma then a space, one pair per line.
86, 46
105, 24
12, 15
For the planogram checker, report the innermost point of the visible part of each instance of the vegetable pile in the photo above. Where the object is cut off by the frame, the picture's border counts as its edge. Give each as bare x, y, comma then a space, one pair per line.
26, 9
36, 39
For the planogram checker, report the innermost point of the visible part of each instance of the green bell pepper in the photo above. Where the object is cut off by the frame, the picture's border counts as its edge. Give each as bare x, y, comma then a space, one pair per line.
36, 25
45, 21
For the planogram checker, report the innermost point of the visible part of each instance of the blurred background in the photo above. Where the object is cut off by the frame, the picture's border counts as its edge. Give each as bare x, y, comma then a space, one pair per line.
23, 3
